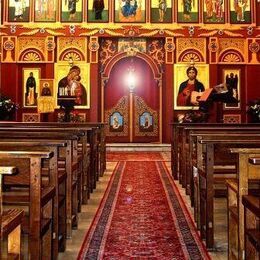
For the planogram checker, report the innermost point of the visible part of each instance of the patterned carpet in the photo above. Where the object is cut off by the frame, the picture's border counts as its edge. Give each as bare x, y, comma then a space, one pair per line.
142, 216
134, 156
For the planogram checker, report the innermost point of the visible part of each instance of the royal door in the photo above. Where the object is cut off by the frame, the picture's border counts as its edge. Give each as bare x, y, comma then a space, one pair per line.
132, 102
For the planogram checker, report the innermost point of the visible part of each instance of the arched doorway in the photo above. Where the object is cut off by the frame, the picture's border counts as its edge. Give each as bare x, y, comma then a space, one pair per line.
132, 101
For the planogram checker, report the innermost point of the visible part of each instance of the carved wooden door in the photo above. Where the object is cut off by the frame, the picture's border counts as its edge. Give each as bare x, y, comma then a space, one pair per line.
132, 112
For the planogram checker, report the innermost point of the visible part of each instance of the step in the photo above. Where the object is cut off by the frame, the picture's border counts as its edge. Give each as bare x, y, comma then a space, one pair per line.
138, 147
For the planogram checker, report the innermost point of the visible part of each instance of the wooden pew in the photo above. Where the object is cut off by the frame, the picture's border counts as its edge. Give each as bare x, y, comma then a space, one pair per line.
96, 150
205, 166
177, 145
57, 179
99, 126
189, 147
10, 223
248, 170
189, 159
87, 156
94, 171
68, 159
180, 133
185, 144
251, 224
79, 151
39, 198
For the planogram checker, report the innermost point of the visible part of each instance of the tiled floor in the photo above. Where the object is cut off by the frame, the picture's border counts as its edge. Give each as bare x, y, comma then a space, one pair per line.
88, 212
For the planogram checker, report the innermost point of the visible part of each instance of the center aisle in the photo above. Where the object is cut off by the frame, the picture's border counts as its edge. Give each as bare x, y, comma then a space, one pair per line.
142, 215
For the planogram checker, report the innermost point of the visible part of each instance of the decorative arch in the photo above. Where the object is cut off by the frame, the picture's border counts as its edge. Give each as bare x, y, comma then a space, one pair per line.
189, 54
32, 55
75, 54
108, 68
231, 56
157, 74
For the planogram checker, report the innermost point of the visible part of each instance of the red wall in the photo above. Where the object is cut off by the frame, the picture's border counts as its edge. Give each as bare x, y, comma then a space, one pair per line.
9, 80
252, 78
167, 102
257, 13
94, 114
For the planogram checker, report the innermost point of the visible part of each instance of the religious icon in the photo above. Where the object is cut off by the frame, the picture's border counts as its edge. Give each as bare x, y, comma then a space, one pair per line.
188, 11
46, 87
116, 122
214, 11
97, 10
18, 10
30, 90
240, 11
189, 80
73, 82
161, 11
232, 79
31, 86
146, 122
188, 86
130, 11
71, 11
46, 100
45, 10
70, 86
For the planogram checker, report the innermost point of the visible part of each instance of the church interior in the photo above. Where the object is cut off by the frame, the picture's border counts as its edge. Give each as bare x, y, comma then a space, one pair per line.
130, 129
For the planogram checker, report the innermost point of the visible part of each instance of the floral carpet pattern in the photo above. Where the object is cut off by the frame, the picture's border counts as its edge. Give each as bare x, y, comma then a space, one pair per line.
142, 216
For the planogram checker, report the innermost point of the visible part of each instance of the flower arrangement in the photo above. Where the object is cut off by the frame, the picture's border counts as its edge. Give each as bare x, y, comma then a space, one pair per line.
75, 117
193, 117
7, 108
254, 110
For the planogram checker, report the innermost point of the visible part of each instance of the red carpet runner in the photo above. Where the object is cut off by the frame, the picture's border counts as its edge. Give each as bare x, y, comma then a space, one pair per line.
134, 156
142, 216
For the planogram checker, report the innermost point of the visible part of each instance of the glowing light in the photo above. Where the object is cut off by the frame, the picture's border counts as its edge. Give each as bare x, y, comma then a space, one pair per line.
129, 188
129, 200
131, 80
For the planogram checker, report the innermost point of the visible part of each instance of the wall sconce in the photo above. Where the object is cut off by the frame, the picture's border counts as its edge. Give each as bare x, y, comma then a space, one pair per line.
70, 61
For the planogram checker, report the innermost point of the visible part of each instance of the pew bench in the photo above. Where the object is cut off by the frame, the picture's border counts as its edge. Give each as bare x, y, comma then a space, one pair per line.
190, 146
99, 127
180, 131
68, 160
88, 133
91, 170
193, 157
10, 224
180, 142
206, 154
251, 223
25, 188
57, 178
249, 170
223, 165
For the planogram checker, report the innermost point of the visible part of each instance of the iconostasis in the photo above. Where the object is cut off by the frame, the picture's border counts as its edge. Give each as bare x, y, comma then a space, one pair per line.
130, 11
50, 38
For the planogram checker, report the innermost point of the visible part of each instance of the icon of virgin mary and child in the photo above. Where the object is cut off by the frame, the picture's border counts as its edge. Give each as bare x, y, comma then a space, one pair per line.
70, 86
